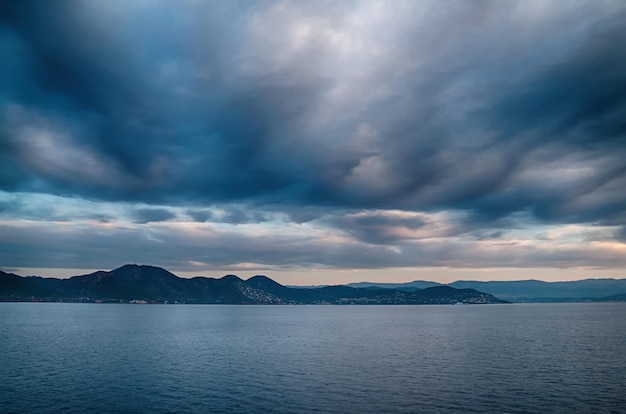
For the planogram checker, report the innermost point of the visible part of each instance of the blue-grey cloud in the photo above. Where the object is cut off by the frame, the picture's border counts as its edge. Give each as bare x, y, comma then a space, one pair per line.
220, 132
506, 114
81, 247
620, 234
239, 215
377, 228
200, 216
150, 215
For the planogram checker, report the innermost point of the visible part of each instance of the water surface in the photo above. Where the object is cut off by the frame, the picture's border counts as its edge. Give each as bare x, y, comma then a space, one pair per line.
521, 358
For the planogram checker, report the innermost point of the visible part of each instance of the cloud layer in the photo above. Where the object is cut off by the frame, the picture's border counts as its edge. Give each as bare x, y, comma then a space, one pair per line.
344, 135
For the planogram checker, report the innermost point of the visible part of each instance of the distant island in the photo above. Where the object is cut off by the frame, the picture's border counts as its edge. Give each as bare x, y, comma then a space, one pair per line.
149, 284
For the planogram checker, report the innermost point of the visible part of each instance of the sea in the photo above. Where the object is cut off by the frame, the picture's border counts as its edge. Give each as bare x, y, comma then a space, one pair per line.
128, 358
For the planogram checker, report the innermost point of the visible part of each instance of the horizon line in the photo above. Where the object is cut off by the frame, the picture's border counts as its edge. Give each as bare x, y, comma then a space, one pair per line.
399, 283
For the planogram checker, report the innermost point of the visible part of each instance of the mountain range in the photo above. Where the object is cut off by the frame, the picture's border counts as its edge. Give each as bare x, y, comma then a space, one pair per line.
149, 284
154, 284
597, 290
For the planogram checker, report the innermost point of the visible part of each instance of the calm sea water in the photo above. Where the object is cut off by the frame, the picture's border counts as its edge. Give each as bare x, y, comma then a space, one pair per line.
522, 358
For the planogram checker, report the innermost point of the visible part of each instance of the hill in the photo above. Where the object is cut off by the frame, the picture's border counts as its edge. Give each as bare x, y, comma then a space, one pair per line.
149, 284
597, 290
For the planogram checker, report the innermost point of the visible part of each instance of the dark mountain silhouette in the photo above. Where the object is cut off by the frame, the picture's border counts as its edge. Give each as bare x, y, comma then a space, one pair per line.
539, 291
132, 283
409, 286
526, 290
621, 297
12, 285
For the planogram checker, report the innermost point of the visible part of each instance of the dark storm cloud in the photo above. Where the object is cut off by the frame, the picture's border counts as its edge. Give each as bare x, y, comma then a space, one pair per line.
162, 125
201, 216
231, 214
151, 215
237, 215
376, 228
574, 105
581, 92
475, 107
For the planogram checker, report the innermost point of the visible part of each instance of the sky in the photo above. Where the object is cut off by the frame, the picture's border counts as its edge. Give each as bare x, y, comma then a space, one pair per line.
316, 142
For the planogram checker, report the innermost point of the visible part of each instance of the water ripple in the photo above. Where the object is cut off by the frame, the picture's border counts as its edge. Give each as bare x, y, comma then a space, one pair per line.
73, 358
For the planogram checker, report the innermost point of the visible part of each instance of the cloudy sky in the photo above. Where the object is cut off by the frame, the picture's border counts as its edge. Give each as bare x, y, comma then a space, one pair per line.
315, 141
